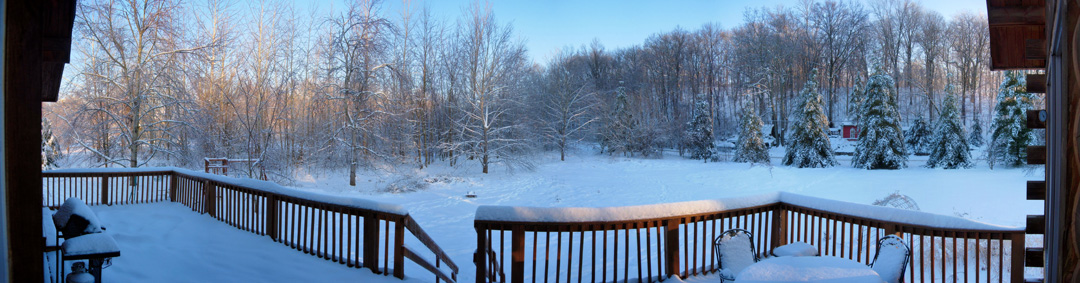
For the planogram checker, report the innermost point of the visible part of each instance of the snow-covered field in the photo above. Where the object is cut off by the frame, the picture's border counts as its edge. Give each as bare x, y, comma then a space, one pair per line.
167, 240
586, 179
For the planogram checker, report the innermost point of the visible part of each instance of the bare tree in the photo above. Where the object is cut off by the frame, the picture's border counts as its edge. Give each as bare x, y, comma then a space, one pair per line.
568, 101
493, 63
136, 46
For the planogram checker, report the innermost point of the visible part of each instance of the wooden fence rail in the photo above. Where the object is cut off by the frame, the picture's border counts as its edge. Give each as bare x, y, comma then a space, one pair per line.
654, 248
352, 235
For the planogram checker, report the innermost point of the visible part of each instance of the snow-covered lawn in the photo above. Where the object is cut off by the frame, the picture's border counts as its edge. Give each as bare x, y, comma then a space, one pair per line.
589, 180
167, 242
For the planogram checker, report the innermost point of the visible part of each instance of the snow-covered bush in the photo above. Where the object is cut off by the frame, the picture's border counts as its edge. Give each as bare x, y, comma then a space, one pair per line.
948, 147
976, 138
808, 144
750, 147
1011, 136
918, 137
881, 141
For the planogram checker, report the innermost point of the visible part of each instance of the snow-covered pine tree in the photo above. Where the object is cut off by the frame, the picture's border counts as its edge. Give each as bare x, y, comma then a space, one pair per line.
949, 147
50, 150
976, 138
699, 135
616, 134
808, 143
750, 147
1011, 135
881, 141
918, 137
855, 100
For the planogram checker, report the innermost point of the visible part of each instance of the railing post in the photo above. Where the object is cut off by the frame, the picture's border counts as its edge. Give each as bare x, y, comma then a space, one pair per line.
1017, 261
225, 167
104, 190
174, 193
206, 164
671, 246
210, 194
517, 264
480, 256
272, 217
371, 242
779, 227
891, 229
399, 247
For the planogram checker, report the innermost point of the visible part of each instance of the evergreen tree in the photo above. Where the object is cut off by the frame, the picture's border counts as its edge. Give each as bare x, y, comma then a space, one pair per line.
855, 100
699, 136
881, 141
618, 125
808, 144
750, 147
918, 137
976, 138
949, 148
1011, 135
50, 150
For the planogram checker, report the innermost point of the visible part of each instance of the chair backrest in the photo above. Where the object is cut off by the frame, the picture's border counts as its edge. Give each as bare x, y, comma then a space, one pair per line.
735, 251
891, 258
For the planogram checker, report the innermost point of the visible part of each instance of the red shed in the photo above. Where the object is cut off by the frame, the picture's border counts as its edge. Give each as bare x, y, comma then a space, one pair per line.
850, 131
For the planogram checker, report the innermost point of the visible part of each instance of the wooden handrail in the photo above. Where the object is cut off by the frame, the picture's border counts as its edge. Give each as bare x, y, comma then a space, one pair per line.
656, 245
325, 226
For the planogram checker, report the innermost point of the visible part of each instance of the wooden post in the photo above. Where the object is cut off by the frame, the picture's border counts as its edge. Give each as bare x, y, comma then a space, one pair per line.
671, 246
210, 195
371, 242
105, 190
779, 228
174, 192
206, 164
1017, 260
480, 256
272, 217
890, 229
225, 167
399, 248
517, 245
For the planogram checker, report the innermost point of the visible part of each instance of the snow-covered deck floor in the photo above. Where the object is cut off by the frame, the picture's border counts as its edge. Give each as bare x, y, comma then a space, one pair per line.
167, 242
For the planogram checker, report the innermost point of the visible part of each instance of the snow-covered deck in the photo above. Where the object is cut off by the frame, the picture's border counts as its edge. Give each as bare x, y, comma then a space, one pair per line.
167, 242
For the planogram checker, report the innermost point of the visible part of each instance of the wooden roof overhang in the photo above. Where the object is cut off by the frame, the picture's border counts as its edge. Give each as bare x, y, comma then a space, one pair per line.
58, 22
1017, 34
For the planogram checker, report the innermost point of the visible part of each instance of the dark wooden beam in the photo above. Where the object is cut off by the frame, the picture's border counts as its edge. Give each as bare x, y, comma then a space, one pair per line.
1036, 190
1036, 119
1036, 155
1016, 16
1036, 225
1033, 257
1035, 49
22, 128
1036, 83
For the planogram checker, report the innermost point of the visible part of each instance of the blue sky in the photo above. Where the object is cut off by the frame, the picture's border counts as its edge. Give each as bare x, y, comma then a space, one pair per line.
550, 25
547, 26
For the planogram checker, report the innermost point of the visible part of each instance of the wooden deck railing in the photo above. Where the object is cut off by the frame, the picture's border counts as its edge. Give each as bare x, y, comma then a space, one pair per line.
607, 245
353, 232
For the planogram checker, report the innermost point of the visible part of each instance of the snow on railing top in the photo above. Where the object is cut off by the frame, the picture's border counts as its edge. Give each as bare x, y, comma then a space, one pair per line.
669, 210
619, 213
258, 185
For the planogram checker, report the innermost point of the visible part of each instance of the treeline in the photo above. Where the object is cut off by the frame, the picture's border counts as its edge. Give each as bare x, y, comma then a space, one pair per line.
171, 81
